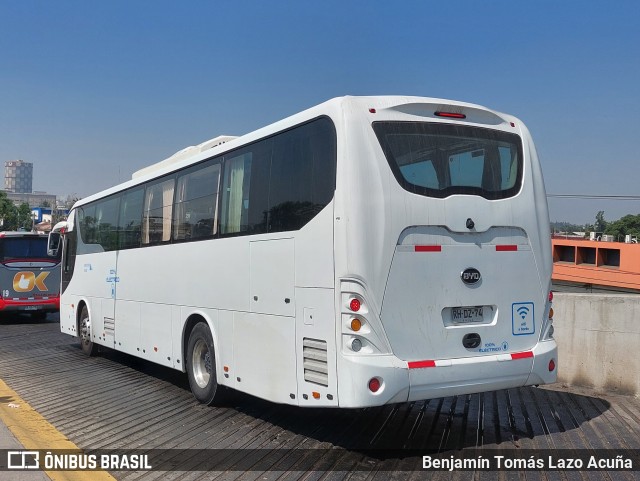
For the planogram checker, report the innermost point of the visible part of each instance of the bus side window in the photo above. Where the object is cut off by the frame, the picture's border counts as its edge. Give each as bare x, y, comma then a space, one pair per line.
280, 183
158, 206
130, 219
87, 222
195, 209
237, 179
107, 222
302, 177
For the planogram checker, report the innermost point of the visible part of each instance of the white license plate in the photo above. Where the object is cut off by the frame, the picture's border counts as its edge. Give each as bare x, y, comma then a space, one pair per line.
30, 308
464, 315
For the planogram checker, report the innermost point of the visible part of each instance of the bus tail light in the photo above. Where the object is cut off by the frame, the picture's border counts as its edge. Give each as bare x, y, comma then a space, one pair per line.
552, 365
374, 384
354, 304
547, 324
356, 324
450, 115
361, 329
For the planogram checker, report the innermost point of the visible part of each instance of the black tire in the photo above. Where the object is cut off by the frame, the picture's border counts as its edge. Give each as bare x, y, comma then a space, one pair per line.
84, 332
201, 366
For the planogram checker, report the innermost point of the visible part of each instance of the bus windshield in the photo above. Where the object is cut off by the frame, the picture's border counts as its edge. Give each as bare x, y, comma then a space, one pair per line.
439, 160
19, 248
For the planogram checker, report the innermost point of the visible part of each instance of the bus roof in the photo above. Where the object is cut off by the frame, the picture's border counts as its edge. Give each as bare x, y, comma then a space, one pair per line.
223, 143
184, 154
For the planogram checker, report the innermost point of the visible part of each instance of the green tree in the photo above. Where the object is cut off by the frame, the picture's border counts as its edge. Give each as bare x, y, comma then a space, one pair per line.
12, 217
24, 217
600, 224
7, 212
627, 225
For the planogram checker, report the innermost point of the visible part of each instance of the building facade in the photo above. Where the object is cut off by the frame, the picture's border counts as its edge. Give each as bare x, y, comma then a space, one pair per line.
18, 176
36, 199
590, 263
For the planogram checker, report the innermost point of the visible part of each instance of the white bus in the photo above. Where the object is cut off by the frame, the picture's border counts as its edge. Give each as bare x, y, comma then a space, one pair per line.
366, 251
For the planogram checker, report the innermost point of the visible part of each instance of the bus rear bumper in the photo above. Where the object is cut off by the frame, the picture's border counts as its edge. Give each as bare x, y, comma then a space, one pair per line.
403, 381
52, 304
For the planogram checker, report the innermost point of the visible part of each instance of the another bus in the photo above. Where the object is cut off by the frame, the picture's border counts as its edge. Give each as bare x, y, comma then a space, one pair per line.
366, 251
29, 277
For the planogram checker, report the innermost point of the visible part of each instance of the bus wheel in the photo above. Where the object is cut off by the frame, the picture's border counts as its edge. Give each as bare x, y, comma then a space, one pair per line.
201, 366
84, 330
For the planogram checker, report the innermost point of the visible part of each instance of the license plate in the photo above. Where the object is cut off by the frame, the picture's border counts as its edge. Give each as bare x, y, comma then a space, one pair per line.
30, 308
464, 315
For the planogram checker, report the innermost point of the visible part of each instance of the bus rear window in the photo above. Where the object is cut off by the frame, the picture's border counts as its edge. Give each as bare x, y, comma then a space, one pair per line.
19, 248
440, 160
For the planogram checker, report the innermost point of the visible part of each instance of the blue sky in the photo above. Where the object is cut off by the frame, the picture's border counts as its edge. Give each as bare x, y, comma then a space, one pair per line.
91, 91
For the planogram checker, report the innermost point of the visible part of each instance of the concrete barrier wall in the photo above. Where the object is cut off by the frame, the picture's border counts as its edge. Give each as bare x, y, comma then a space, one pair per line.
598, 339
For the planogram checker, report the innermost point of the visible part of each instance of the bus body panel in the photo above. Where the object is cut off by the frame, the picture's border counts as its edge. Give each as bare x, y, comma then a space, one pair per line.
156, 342
265, 355
428, 308
272, 276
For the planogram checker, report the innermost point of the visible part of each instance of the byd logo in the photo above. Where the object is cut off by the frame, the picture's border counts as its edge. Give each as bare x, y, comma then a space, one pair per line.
25, 281
470, 275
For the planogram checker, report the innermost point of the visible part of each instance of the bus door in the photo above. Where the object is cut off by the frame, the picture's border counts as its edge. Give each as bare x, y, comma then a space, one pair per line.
127, 282
97, 257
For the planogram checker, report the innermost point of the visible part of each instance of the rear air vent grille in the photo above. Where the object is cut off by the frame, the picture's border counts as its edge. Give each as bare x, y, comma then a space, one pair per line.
109, 325
314, 353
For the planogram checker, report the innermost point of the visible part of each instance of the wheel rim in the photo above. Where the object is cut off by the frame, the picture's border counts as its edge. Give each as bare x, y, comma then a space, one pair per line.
201, 362
85, 330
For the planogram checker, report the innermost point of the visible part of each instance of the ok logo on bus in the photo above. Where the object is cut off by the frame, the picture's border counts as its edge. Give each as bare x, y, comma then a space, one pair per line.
25, 281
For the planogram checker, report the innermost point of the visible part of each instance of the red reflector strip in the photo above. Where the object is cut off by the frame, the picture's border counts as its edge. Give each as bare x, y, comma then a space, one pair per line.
450, 115
421, 364
507, 248
521, 355
428, 248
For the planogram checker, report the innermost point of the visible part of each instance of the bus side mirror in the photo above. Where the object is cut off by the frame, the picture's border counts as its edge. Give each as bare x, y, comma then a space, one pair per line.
53, 244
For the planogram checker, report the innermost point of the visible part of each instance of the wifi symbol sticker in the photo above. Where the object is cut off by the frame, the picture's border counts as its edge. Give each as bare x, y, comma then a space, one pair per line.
523, 319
